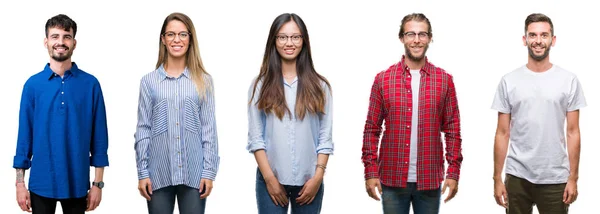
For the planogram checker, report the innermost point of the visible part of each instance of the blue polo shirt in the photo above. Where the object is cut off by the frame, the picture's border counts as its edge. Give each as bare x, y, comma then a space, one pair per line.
62, 132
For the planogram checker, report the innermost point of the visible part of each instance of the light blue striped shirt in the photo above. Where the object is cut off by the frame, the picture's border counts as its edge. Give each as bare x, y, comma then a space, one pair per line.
176, 137
292, 145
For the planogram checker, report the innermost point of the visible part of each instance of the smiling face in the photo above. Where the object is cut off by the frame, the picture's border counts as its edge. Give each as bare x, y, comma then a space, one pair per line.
176, 39
60, 43
539, 40
416, 39
289, 41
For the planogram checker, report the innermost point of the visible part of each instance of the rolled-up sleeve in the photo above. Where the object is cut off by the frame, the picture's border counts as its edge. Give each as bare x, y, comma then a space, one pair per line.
256, 121
99, 147
22, 159
325, 145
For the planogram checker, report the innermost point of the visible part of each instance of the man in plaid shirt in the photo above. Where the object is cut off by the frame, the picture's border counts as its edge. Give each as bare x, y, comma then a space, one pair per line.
409, 168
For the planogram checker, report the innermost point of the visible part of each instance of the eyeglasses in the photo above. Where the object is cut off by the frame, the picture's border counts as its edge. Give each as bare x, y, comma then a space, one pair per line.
182, 35
533, 36
296, 39
421, 35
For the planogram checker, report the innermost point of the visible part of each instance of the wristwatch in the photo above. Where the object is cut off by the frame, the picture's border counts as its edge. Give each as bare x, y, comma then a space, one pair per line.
99, 184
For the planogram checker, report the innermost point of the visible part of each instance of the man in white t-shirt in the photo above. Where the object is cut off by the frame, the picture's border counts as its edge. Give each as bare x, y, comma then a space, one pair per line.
533, 102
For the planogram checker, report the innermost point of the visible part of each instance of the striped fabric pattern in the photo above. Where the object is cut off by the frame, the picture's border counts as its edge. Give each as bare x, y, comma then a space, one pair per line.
176, 136
391, 101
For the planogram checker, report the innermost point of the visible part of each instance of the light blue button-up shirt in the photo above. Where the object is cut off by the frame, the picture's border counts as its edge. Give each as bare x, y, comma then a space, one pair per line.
291, 145
176, 136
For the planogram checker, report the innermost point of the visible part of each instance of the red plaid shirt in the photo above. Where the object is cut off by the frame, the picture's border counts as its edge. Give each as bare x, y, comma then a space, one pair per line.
391, 100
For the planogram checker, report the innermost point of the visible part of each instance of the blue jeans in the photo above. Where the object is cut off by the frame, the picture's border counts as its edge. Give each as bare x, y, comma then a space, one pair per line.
266, 205
398, 200
188, 200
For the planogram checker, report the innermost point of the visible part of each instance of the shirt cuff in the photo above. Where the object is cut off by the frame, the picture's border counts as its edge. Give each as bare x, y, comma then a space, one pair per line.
99, 160
21, 162
143, 174
210, 175
325, 148
253, 147
326, 151
371, 172
452, 174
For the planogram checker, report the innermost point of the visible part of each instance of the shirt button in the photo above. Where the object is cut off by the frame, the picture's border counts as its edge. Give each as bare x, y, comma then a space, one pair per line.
407, 144
63, 82
408, 91
177, 123
177, 137
62, 92
407, 126
409, 109
179, 166
404, 163
62, 103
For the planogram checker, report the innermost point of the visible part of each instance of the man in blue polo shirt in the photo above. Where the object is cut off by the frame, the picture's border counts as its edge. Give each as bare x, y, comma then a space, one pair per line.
62, 131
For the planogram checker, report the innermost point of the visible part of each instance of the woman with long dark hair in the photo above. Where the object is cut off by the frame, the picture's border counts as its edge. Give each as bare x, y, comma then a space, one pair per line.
289, 122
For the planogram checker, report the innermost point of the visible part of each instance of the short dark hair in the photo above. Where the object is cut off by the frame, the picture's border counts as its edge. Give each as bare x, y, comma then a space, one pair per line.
419, 17
538, 17
61, 21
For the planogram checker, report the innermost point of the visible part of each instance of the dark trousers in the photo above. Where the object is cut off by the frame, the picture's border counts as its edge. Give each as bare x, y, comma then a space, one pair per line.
188, 200
523, 195
43, 205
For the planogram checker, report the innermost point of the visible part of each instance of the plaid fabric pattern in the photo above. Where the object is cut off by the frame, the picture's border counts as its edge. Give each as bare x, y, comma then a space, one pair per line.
391, 101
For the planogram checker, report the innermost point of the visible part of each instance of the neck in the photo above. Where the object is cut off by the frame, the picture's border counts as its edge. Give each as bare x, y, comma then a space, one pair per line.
60, 67
539, 66
288, 68
414, 65
175, 66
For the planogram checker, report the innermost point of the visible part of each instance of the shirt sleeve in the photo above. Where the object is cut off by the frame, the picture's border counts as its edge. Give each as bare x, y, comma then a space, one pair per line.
576, 97
22, 159
208, 124
451, 129
143, 131
500, 102
99, 147
326, 124
256, 121
372, 131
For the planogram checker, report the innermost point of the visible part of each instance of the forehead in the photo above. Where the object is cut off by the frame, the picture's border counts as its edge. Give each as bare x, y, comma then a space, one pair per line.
176, 25
59, 30
416, 26
289, 28
539, 27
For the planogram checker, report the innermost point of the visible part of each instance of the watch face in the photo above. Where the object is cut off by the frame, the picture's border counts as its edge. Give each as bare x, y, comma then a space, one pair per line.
99, 184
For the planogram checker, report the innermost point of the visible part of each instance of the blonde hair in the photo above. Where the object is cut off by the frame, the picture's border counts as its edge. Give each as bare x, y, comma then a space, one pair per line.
193, 60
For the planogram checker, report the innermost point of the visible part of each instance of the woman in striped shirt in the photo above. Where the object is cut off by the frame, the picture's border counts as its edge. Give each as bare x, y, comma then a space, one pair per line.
290, 122
176, 137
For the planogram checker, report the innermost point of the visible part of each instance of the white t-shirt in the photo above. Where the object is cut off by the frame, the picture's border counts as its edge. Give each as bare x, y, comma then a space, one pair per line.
538, 103
414, 137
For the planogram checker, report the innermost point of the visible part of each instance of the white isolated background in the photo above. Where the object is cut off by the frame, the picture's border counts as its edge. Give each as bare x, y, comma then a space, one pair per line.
476, 41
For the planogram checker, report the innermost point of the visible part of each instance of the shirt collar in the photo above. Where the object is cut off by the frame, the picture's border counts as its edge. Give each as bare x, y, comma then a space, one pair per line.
424, 70
293, 82
50, 74
163, 73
